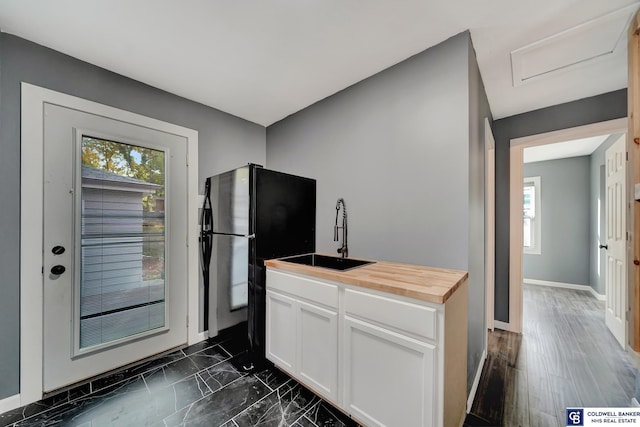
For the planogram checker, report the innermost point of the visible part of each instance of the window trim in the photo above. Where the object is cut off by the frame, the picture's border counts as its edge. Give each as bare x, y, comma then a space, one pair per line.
536, 249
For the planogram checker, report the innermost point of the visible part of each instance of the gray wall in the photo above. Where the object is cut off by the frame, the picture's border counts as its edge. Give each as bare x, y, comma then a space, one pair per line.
478, 111
405, 149
608, 106
225, 142
566, 191
396, 147
597, 223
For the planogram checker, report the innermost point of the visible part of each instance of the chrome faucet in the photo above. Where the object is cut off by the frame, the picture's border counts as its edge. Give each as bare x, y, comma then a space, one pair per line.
344, 250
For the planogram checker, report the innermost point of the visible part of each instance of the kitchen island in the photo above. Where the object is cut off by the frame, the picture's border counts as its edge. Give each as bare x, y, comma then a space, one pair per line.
385, 343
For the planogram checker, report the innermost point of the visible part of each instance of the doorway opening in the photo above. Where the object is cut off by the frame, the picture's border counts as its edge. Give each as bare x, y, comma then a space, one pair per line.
517, 177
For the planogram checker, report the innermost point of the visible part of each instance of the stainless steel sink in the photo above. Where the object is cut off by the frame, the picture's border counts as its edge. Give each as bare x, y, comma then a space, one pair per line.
324, 261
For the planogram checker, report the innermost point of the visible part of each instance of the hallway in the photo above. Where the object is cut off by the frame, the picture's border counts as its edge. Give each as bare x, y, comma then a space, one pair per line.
565, 357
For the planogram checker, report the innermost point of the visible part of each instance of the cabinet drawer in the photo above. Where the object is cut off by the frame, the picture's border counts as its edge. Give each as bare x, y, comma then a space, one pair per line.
309, 289
401, 315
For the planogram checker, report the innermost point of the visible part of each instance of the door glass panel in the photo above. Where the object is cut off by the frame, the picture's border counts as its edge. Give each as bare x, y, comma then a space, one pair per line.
122, 265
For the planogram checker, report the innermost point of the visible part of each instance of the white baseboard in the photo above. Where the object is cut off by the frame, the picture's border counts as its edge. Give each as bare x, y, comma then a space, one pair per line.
196, 337
9, 403
476, 381
565, 286
505, 326
600, 297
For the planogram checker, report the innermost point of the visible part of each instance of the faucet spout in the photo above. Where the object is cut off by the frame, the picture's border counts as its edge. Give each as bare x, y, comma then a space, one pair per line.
343, 249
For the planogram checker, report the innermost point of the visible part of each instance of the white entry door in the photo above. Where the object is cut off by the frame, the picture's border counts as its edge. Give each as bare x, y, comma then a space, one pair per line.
115, 258
616, 270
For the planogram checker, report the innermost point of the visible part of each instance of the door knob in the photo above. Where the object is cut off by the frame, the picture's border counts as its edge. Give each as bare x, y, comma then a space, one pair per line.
58, 269
603, 246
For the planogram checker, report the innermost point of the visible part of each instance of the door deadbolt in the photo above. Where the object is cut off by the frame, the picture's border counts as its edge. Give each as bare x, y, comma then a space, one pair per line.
58, 250
58, 269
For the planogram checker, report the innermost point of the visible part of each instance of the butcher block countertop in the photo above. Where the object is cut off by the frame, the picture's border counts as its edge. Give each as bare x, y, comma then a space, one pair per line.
415, 281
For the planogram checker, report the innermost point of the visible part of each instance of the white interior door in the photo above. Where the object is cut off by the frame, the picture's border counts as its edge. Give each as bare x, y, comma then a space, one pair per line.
616, 270
114, 255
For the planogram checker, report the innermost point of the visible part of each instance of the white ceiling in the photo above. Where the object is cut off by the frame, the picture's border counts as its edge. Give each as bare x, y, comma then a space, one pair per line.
264, 60
563, 150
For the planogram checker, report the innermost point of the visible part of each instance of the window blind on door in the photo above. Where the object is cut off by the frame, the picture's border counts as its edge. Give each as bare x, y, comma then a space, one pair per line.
122, 269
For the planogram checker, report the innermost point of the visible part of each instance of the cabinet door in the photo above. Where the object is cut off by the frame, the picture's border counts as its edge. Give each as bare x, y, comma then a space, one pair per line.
381, 365
318, 349
281, 331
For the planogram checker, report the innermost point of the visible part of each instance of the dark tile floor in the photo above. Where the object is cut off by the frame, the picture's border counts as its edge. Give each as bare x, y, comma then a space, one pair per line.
201, 385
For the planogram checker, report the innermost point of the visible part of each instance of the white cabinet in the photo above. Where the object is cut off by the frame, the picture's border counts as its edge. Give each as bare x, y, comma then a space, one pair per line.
318, 348
281, 330
385, 359
302, 330
389, 378
390, 350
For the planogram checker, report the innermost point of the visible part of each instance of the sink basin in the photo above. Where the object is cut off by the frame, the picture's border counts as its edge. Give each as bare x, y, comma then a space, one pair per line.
325, 261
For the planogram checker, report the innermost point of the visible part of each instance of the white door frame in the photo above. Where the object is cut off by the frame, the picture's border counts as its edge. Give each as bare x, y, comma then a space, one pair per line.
31, 225
490, 145
516, 176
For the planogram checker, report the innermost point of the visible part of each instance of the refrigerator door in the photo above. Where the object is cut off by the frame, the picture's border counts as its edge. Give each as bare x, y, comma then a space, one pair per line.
231, 201
285, 224
285, 214
229, 274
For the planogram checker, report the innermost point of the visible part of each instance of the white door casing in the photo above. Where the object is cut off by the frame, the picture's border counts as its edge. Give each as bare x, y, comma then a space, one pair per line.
616, 232
490, 224
33, 265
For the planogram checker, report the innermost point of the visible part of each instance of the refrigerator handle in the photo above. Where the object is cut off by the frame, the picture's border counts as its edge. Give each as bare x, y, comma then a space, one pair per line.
206, 247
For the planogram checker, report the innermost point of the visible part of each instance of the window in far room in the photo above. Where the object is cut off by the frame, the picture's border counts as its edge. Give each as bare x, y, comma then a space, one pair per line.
531, 216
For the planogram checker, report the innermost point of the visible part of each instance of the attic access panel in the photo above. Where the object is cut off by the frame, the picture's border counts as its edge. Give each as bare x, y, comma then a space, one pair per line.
596, 40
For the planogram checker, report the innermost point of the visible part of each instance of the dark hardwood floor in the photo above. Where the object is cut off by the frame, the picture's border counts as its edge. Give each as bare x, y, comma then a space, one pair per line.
565, 357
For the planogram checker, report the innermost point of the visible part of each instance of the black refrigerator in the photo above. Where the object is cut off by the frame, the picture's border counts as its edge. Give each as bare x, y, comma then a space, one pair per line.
252, 214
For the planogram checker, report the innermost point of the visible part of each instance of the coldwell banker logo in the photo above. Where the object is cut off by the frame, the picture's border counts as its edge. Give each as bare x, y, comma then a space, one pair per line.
575, 417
